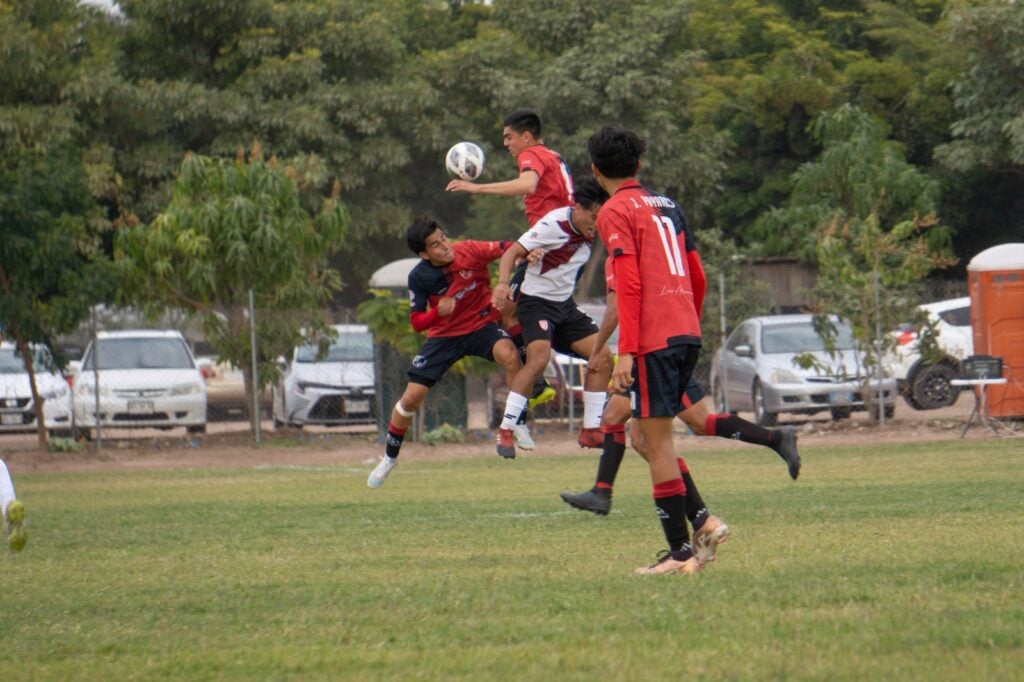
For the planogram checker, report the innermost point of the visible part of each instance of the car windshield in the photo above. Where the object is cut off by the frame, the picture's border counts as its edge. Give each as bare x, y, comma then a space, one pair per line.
800, 337
11, 361
347, 347
141, 353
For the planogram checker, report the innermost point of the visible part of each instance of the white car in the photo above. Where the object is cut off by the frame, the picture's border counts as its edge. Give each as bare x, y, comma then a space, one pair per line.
147, 378
17, 409
334, 388
927, 386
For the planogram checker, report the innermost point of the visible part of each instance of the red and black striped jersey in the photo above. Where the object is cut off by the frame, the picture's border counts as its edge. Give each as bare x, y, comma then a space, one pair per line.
653, 252
466, 279
554, 186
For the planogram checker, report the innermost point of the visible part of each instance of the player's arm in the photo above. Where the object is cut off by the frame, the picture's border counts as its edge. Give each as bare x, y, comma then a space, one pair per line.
604, 332
525, 184
698, 280
420, 317
502, 296
627, 282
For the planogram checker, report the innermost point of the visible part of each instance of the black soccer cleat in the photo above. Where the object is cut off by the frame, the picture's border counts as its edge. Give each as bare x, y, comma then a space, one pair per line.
594, 500
787, 449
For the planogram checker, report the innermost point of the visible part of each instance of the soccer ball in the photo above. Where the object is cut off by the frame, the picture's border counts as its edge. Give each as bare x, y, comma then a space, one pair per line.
465, 160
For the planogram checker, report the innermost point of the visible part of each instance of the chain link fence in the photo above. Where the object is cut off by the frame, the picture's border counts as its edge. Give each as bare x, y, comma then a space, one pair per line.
168, 378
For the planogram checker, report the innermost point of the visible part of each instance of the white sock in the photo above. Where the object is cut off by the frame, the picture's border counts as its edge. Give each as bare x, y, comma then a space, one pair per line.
593, 405
6, 488
514, 407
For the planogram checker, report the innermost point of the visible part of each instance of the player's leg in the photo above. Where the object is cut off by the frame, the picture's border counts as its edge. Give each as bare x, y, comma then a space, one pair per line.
426, 369
599, 498
660, 379
13, 511
538, 353
701, 419
493, 343
578, 332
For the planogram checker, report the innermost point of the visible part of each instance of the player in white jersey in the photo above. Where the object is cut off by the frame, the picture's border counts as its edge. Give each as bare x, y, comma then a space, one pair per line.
547, 312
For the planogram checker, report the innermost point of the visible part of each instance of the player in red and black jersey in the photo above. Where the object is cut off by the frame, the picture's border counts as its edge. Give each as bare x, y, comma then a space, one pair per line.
544, 180
450, 293
658, 276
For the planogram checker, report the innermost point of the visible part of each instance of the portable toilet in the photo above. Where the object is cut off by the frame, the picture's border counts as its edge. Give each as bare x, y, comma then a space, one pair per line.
995, 280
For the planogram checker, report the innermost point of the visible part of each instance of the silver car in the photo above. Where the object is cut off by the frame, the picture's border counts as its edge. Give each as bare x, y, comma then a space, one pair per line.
757, 371
334, 387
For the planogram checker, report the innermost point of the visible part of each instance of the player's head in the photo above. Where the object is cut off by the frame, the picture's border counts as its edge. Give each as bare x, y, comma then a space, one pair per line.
589, 197
426, 238
615, 152
522, 130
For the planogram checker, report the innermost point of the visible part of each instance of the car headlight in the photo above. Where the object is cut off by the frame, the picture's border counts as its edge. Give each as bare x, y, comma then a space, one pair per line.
86, 390
58, 392
187, 389
785, 376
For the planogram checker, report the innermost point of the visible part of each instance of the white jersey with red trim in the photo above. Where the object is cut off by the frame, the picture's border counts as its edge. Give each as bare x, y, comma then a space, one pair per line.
566, 251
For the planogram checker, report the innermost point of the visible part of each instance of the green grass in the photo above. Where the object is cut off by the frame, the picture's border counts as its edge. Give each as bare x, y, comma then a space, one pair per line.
882, 562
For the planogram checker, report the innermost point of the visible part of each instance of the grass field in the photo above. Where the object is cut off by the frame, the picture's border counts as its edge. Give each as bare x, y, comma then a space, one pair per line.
883, 562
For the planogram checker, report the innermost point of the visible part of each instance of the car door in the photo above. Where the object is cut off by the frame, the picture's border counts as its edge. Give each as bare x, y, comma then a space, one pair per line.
738, 371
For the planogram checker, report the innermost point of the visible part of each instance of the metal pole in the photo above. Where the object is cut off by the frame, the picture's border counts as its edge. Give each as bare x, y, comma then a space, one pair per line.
721, 322
878, 349
96, 380
255, 368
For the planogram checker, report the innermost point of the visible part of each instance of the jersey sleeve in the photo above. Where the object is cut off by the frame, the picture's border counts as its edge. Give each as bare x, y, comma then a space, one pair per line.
528, 160
616, 233
698, 281
419, 297
627, 297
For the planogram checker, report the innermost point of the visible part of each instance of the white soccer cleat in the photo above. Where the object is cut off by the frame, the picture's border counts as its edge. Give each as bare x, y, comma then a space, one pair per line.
523, 438
381, 471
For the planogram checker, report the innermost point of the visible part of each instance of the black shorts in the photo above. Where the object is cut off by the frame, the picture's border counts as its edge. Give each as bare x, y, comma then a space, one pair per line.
440, 353
693, 394
563, 324
661, 379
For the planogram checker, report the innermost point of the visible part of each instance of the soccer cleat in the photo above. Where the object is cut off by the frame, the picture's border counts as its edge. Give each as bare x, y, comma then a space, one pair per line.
597, 500
706, 540
506, 444
590, 438
522, 436
546, 395
381, 471
787, 449
672, 562
14, 526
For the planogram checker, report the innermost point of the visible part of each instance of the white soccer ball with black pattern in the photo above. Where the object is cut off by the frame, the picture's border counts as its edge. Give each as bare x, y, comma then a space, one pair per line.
465, 160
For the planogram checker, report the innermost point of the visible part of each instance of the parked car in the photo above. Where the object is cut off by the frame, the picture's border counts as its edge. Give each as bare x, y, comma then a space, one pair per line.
756, 371
147, 378
225, 386
17, 409
926, 386
335, 387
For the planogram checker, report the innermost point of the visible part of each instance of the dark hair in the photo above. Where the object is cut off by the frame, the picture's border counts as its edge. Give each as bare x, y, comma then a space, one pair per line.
421, 228
616, 151
522, 120
589, 193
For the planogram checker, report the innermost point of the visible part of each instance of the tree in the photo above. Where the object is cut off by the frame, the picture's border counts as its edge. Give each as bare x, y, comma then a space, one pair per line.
858, 174
51, 265
231, 227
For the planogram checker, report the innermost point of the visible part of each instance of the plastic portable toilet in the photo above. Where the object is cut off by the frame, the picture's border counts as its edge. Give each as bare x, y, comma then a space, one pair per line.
995, 279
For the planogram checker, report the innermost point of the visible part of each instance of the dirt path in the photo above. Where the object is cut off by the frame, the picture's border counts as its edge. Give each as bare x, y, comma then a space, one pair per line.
231, 447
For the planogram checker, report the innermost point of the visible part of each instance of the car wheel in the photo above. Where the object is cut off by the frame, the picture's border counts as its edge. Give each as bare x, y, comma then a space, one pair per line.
840, 413
719, 397
761, 415
931, 387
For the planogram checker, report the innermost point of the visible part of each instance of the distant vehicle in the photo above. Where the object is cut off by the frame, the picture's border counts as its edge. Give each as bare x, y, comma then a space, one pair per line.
927, 386
755, 371
225, 386
17, 409
334, 388
147, 378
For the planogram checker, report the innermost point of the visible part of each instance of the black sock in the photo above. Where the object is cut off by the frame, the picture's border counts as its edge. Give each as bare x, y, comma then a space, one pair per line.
695, 509
672, 512
393, 442
612, 452
730, 426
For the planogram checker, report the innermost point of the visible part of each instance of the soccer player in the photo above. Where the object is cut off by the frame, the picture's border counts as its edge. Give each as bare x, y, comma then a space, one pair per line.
450, 293
547, 312
697, 414
544, 180
13, 511
656, 269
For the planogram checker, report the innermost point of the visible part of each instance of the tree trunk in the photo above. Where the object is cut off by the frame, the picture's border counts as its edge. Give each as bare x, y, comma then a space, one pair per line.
37, 401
